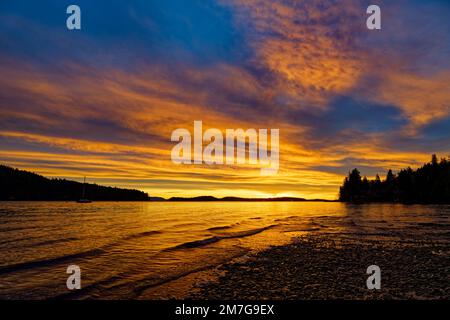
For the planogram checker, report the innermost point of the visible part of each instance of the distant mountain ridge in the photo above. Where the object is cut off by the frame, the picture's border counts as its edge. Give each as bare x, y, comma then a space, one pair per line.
231, 199
22, 185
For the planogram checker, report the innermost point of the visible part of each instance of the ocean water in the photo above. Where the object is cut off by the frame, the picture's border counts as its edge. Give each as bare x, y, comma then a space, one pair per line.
133, 250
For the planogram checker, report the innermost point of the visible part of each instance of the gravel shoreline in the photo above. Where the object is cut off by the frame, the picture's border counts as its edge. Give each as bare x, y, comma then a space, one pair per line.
332, 266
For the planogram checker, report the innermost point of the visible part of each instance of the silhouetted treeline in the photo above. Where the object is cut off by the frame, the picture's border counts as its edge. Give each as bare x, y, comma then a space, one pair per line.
428, 184
23, 185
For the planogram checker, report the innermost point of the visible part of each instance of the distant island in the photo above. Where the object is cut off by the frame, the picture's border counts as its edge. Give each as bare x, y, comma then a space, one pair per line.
22, 185
231, 199
429, 184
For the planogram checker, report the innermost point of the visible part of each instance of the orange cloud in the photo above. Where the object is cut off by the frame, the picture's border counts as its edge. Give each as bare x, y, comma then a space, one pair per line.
314, 60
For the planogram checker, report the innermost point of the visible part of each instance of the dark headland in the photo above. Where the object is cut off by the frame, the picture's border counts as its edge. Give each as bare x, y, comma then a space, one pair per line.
20, 185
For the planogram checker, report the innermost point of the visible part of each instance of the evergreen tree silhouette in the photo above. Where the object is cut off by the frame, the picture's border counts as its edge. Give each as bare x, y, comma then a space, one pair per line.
428, 184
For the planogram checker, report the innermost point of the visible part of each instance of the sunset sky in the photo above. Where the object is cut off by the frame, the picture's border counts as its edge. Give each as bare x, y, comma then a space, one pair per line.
103, 101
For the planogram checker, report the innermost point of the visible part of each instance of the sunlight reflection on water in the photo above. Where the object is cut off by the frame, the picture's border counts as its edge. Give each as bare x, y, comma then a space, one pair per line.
125, 248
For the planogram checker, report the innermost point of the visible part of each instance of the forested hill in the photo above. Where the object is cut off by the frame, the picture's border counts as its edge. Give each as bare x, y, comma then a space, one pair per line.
428, 184
23, 185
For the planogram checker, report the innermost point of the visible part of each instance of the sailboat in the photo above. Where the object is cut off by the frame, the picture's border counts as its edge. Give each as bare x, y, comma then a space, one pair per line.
83, 197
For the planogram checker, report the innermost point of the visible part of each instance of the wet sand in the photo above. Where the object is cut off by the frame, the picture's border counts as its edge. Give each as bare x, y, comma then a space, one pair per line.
333, 266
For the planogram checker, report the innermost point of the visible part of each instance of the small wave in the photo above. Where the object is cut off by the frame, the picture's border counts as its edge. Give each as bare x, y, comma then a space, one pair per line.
140, 235
433, 224
303, 230
204, 242
17, 241
50, 242
9, 229
286, 218
61, 259
318, 224
219, 228
49, 262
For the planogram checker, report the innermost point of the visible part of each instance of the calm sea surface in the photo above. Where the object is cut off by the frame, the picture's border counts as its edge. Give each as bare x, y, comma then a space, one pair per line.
130, 250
